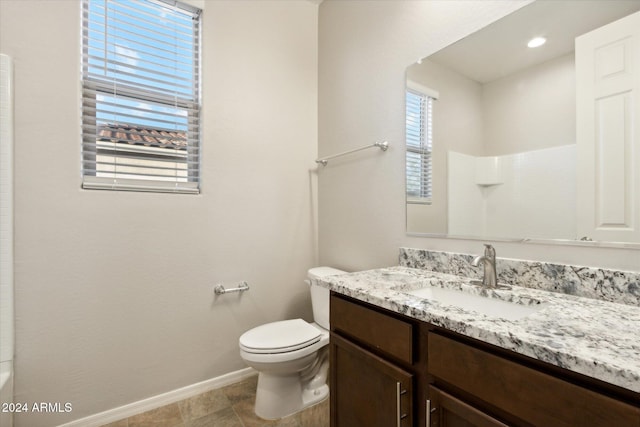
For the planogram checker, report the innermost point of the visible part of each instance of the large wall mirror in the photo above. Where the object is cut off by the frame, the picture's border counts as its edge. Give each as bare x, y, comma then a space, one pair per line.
510, 142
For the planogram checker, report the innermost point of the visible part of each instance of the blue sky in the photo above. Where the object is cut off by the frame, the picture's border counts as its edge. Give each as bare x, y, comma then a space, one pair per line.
146, 47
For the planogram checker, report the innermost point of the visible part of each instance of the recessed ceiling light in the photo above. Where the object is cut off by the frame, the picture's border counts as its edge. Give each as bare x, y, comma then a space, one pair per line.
536, 42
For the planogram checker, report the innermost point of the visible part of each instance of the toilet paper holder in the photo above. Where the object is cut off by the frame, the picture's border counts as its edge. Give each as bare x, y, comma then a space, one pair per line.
220, 289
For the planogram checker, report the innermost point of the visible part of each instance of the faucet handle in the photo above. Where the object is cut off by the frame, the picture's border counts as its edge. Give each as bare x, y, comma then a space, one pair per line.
489, 251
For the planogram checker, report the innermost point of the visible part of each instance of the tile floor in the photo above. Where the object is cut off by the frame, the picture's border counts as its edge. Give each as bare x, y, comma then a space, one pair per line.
230, 406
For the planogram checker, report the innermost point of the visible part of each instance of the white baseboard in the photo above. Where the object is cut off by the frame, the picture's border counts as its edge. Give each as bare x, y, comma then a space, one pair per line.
163, 399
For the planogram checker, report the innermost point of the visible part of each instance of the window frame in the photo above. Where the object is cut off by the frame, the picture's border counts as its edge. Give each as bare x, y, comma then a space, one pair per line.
424, 148
187, 177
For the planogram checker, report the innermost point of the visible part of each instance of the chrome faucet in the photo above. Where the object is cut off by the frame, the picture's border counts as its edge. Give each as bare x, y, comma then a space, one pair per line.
488, 261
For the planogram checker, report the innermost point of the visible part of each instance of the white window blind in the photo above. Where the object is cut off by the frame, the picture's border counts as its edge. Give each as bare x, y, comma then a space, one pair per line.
140, 95
419, 144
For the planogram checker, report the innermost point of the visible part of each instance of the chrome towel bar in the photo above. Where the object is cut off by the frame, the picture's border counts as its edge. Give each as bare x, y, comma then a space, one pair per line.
381, 145
219, 289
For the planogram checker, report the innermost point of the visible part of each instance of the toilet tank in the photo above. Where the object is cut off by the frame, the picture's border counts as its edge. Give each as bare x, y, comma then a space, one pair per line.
320, 295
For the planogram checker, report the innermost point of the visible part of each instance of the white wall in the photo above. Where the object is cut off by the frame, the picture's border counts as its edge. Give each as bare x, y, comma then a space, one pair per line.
466, 208
6, 236
114, 298
537, 198
528, 195
515, 106
365, 47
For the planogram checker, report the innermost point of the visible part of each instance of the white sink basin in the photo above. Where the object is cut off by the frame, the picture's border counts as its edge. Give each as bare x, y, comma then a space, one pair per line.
488, 306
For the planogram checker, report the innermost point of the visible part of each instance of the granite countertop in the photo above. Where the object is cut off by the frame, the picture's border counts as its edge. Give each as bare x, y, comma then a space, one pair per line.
596, 338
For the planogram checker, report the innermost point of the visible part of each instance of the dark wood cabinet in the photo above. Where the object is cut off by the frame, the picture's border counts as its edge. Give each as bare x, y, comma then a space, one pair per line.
386, 334
368, 390
535, 397
391, 370
377, 366
446, 410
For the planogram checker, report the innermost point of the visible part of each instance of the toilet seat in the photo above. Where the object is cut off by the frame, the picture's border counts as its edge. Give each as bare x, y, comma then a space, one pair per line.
280, 337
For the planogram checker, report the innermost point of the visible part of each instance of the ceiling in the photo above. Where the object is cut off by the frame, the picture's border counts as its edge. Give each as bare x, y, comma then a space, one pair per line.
501, 48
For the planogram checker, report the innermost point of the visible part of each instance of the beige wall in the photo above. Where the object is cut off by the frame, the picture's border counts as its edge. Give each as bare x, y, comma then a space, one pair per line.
364, 49
516, 106
114, 298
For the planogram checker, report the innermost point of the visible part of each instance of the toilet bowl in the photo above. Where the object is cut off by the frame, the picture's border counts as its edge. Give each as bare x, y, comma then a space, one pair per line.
291, 357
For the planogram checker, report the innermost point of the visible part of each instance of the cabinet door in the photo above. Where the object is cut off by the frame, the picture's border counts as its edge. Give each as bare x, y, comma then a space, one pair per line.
444, 410
366, 390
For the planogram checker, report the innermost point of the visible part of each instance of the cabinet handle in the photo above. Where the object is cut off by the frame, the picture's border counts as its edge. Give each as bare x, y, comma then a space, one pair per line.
398, 386
429, 411
399, 414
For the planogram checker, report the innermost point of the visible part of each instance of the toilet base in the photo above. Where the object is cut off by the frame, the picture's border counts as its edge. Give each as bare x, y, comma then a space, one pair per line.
278, 396
311, 397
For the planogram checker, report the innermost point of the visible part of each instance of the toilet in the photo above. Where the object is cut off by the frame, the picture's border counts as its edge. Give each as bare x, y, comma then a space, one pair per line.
291, 356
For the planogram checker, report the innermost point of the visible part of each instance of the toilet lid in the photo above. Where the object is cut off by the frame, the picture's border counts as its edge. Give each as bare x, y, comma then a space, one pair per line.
280, 337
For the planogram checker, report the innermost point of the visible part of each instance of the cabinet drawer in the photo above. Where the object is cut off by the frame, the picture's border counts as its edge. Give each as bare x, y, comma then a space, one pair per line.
522, 391
388, 334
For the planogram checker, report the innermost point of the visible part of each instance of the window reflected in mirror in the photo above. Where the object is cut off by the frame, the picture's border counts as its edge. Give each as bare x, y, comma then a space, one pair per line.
419, 135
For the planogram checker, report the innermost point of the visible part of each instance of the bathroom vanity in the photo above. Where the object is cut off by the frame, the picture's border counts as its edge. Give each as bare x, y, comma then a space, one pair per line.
404, 360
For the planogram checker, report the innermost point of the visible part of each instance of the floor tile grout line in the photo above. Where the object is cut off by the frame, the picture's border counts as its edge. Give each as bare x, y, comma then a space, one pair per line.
181, 413
237, 416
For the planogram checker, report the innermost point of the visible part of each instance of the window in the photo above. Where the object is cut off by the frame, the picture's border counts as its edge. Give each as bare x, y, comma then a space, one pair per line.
140, 95
419, 107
